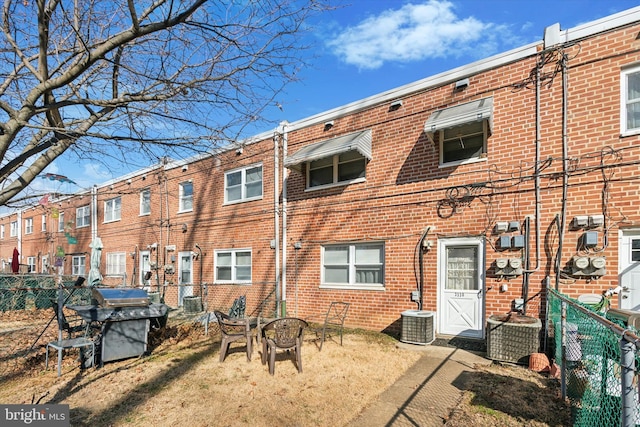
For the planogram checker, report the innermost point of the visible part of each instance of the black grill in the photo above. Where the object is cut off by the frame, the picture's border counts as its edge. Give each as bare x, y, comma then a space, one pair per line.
124, 317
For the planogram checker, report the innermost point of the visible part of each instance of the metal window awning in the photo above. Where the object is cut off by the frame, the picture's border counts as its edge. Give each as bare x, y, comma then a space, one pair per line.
481, 109
358, 141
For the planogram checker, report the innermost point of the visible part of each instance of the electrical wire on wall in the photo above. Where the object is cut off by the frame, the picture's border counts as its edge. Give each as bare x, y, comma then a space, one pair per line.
419, 253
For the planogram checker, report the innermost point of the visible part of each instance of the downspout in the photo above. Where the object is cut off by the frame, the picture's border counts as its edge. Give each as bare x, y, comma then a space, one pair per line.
422, 246
202, 287
94, 212
565, 169
19, 236
285, 177
276, 221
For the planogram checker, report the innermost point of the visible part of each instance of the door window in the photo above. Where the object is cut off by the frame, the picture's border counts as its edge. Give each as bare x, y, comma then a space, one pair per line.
462, 268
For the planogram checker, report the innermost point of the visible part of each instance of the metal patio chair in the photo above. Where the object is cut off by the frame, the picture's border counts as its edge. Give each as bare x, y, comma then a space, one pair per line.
81, 342
282, 334
333, 320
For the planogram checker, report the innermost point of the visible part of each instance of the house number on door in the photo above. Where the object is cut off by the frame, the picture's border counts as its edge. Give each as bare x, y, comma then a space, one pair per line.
459, 294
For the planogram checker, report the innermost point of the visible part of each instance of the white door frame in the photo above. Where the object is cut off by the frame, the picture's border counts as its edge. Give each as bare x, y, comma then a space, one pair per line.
473, 299
185, 291
143, 267
629, 297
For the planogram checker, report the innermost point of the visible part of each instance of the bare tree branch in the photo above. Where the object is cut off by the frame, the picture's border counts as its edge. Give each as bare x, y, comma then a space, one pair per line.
97, 79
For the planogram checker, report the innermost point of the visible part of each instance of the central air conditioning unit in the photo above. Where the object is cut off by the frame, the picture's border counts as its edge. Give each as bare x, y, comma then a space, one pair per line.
418, 327
513, 337
583, 266
508, 267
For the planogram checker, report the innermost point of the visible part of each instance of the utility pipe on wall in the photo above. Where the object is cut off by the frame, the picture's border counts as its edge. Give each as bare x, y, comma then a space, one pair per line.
94, 212
276, 220
565, 169
285, 177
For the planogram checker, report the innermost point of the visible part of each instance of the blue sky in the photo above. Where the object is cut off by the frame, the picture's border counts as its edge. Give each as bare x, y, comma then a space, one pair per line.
365, 47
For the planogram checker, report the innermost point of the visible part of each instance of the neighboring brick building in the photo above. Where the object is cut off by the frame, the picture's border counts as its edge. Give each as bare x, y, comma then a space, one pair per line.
477, 186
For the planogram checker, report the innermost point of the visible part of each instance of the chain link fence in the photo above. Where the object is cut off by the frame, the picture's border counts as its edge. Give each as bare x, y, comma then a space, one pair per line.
28, 291
27, 317
598, 360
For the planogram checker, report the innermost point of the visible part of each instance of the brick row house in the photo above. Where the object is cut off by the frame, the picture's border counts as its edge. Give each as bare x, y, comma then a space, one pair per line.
465, 194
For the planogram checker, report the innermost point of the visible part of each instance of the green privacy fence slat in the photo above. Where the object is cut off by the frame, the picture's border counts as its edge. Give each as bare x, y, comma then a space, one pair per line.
592, 362
22, 292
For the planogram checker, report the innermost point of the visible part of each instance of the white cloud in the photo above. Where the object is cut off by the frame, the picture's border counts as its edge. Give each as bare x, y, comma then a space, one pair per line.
93, 173
413, 33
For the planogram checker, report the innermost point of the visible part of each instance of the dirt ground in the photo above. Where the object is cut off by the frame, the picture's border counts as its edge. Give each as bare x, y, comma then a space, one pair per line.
182, 382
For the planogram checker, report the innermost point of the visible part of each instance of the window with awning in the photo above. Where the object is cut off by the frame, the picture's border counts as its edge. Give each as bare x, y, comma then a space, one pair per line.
334, 161
461, 131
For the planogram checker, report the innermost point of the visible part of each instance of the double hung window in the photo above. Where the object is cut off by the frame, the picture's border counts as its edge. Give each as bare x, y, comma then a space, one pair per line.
116, 263
357, 265
630, 101
145, 202
112, 209
340, 168
233, 266
186, 197
244, 184
78, 265
83, 218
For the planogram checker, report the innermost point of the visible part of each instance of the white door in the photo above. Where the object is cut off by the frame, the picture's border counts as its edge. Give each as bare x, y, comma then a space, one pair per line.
185, 288
145, 270
461, 287
629, 269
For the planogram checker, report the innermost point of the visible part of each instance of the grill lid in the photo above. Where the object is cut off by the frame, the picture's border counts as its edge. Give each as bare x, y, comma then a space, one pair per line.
120, 297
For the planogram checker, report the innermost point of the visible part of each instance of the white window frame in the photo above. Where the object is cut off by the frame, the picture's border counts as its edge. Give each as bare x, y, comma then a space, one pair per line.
31, 263
44, 223
113, 209
28, 226
233, 266
13, 232
353, 268
82, 217
78, 265
145, 202
452, 140
625, 102
243, 184
116, 263
184, 201
335, 165
60, 221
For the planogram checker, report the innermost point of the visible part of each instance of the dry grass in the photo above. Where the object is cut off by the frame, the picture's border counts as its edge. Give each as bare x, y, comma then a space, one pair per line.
502, 395
183, 383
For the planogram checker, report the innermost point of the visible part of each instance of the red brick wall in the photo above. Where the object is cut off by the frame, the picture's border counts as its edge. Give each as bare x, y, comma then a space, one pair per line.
404, 192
